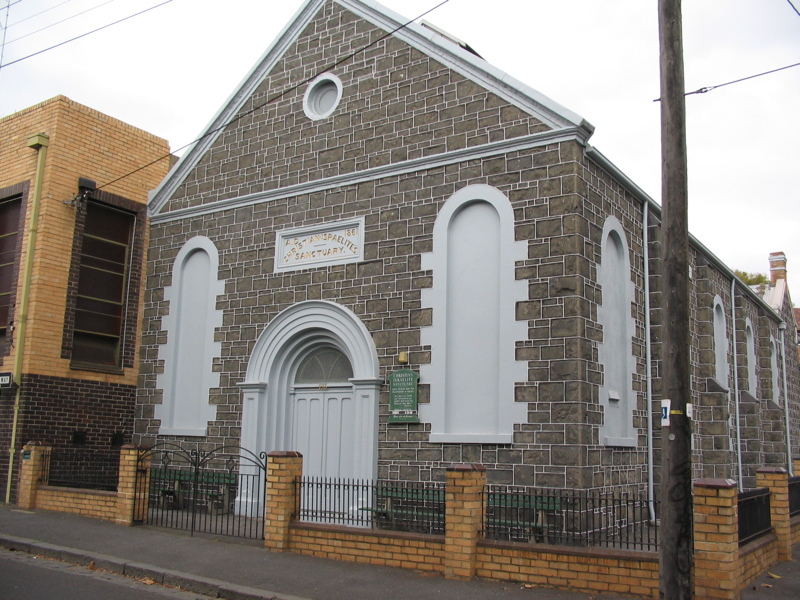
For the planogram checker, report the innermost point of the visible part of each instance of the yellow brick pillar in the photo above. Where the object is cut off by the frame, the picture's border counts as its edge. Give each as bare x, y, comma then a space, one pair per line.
33, 464
132, 494
284, 468
777, 480
796, 466
463, 519
716, 539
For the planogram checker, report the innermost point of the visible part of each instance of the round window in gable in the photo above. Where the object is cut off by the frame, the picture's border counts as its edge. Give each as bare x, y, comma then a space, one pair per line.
322, 96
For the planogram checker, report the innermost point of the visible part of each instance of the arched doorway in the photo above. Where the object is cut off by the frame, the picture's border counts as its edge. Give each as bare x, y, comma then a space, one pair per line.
312, 385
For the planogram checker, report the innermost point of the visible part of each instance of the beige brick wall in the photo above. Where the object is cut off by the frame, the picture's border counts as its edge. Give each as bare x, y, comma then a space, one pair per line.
82, 142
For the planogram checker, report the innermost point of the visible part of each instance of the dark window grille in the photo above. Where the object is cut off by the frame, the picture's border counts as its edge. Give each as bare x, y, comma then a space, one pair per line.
570, 518
9, 234
392, 505
102, 280
754, 516
794, 496
81, 468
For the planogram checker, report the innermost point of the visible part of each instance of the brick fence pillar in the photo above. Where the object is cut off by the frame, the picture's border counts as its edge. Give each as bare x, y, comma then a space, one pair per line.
131, 496
716, 539
463, 519
283, 469
777, 480
32, 468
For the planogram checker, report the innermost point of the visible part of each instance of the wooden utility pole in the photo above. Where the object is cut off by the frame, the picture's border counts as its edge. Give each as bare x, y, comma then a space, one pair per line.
676, 462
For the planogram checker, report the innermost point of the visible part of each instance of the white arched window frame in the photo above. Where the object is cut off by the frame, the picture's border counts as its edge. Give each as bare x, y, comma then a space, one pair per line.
615, 352
473, 338
721, 368
752, 379
775, 374
188, 355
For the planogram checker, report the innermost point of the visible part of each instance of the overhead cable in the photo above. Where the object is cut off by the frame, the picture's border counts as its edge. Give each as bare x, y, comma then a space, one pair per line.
706, 89
277, 96
83, 35
59, 22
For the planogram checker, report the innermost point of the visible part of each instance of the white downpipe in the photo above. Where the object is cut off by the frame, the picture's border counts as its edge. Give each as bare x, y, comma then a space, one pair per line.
736, 386
648, 364
790, 464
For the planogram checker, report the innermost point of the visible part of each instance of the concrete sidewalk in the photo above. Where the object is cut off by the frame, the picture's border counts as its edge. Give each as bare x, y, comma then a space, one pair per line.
242, 570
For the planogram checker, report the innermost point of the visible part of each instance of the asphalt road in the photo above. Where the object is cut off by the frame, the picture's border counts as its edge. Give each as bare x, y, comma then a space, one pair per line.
26, 577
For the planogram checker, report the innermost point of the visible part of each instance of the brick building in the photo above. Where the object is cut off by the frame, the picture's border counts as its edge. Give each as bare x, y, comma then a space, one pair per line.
374, 201
70, 294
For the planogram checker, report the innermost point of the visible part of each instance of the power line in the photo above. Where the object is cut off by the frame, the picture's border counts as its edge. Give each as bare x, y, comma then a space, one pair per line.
84, 34
37, 14
276, 96
706, 89
59, 22
794, 7
703, 90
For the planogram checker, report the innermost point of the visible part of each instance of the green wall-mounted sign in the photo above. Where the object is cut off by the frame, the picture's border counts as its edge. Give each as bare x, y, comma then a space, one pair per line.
403, 397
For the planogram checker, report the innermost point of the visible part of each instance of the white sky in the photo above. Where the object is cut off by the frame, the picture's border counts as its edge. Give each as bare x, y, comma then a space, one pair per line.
169, 70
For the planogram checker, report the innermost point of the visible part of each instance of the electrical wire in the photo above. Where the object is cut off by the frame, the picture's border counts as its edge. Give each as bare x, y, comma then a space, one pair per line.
84, 35
28, 18
704, 90
276, 97
59, 22
794, 7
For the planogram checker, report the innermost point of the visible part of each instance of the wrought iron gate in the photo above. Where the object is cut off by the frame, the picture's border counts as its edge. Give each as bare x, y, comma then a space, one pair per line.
218, 491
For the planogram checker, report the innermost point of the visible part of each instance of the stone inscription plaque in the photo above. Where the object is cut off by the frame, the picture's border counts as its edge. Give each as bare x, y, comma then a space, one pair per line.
334, 243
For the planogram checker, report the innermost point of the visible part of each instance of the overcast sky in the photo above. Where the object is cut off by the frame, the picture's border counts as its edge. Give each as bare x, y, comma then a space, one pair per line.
168, 71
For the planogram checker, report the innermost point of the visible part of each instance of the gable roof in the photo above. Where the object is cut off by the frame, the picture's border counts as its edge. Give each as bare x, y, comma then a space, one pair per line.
424, 39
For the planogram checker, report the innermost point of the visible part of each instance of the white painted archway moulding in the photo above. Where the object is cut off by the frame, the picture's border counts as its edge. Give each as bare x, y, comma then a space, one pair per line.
272, 365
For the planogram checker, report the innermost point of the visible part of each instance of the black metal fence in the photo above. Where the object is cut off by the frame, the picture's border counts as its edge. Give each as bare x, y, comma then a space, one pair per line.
754, 516
570, 518
392, 505
217, 491
82, 468
794, 496
565, 517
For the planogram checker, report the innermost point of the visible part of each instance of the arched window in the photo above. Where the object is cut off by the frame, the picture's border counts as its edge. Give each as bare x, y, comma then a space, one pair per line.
324, 365
752, 381
720, 344
774, 361
190, 349
473, 365
615, 352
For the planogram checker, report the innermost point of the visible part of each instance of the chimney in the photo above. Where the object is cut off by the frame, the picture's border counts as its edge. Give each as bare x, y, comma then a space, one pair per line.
777, 267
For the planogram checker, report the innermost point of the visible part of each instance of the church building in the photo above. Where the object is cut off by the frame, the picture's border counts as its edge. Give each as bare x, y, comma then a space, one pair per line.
391, 256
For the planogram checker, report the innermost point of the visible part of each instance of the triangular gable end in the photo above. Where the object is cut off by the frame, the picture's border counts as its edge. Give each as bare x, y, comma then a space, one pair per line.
421, 38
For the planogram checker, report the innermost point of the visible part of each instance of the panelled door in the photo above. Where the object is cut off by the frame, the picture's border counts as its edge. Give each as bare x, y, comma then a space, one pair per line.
323, 414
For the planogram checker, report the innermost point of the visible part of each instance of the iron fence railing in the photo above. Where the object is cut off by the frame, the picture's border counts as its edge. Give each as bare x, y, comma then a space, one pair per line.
570, 517
794, 496
393, 505
217, 491
83, 468
754, 516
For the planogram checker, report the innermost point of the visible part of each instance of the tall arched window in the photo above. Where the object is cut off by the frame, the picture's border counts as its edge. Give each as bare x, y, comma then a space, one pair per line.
752, 381
615, 352
473, 365
190, 349
774, 361
720, 344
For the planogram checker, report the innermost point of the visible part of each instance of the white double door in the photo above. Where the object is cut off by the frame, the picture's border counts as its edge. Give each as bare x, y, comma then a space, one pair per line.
323, 428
